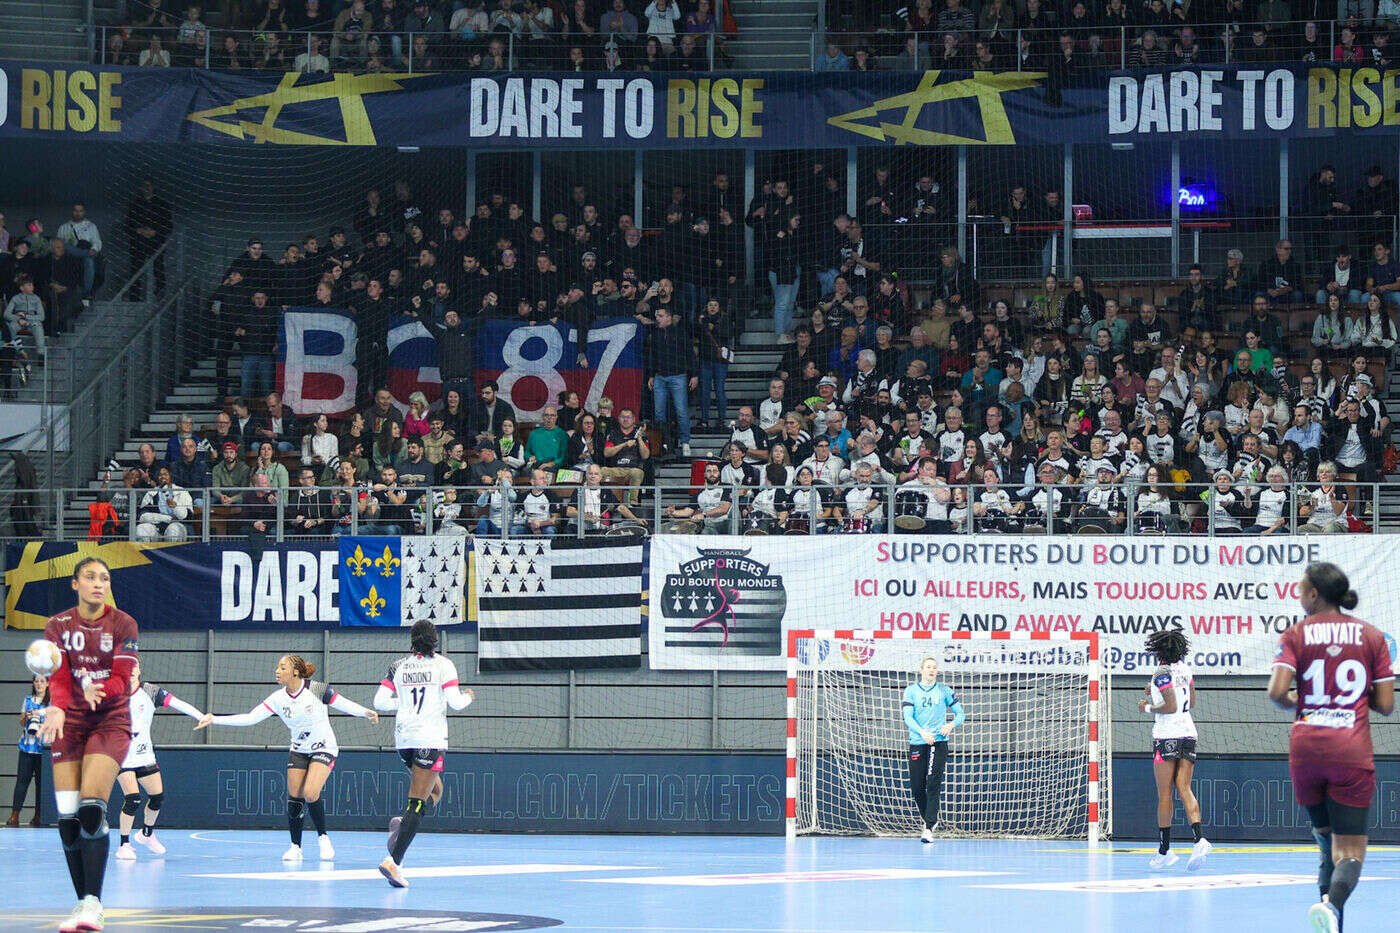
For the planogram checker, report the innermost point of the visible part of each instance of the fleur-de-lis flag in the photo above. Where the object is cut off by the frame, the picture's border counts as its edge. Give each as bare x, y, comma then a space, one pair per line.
412, 578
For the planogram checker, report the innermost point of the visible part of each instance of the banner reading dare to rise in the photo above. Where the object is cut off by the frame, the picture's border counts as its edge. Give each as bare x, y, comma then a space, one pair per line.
773, 110
728, 603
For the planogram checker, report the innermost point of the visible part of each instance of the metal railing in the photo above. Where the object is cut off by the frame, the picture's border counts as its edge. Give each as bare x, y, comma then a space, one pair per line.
322, 513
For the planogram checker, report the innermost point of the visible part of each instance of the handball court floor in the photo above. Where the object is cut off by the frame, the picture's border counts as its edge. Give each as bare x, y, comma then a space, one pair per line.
235, 880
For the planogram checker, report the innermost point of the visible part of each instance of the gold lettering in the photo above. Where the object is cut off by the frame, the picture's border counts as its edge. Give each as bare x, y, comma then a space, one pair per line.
680, 109
749, 108
83, 114
59, 104
1390, 90
34, 92
1344, 98
726, 121
108, 102
1322, 98
702, 107
1368, 109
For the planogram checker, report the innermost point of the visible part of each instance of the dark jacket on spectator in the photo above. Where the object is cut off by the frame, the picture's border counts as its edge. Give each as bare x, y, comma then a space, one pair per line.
454, 351
479, 421
193, 476
955, 280
669, 352
289, 433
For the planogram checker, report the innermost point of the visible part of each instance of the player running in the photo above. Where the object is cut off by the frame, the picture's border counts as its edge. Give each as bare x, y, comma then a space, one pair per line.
139, 770
1343, 664
926, 706
88, 725
419, 688
1171, 695
301, 704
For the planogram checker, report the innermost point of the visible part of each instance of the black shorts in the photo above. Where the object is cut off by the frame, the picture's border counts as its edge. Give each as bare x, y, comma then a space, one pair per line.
144, 771
1173, 749
429, 759
298, 761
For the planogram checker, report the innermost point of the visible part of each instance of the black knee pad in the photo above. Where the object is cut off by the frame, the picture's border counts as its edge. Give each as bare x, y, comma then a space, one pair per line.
68, 831
131, 803
295, 807
92, 818
154, 801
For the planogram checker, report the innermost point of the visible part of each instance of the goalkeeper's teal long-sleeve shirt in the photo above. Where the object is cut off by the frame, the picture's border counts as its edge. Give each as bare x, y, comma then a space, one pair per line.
927, 708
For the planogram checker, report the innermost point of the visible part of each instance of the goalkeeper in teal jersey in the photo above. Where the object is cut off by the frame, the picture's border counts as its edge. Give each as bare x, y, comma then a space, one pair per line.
927, 704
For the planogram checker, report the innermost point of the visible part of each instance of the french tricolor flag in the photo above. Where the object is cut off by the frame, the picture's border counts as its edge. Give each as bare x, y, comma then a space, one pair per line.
413, 361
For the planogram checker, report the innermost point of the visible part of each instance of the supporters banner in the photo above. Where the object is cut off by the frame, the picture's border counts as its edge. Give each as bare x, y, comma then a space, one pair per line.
316, 361
413, 361
231, 586
533, 363
727, 602
772, 110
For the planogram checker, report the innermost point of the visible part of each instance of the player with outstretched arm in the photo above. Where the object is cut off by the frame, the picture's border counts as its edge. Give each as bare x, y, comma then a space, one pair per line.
1344, 671
926, 706
88, 725
302, 705
418, 688
139, 770
1171, 696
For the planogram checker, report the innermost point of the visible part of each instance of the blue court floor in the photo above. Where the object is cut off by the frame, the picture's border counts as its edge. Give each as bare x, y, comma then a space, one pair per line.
215, 880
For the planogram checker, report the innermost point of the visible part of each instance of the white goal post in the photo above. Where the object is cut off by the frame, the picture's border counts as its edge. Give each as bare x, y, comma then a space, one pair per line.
1033, 758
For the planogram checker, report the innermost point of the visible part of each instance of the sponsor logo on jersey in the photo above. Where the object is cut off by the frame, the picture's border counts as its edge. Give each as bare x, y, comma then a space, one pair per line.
105, 642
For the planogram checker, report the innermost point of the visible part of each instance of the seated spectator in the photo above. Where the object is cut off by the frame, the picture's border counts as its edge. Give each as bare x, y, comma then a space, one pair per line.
278, 426
388, 445
1228, 505
1236, 282
1377, 330
319, 447
24, 314
414, 470
391, 515
1341, 279
415, 420
163, 511
710, 512
438, 438
824, 466
1383, 276
190, 471
1332, 329
148, 465
308, 508
268, 466
1274, 506
229, 476
863, 503
548, 444
805, 504
537, 510
1326, 512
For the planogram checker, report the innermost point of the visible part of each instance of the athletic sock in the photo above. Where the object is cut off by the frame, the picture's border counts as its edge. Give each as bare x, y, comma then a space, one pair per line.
295, 810
1164, 836
1195, 832
1324, 862
1344, 879
69, 832
125, 839
317, 809
408, 828
93, 844
147, 829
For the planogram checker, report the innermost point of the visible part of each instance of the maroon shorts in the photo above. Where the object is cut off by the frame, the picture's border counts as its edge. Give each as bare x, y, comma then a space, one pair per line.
106, 732
1348, 785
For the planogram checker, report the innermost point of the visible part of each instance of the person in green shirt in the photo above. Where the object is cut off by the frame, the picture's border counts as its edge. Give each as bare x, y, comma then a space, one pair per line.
547, 444
231, 475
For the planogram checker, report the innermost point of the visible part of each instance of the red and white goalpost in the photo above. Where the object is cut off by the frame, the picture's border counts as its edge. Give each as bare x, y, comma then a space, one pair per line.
1033, 758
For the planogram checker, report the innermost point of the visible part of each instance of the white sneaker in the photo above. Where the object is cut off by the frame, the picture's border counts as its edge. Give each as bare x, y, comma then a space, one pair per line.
126, 853
151, 842
327, 850
293, 854
1164, 861
927, 836
92, 919
71, 925
391, 871
1199, 851
685, 450
1323, 918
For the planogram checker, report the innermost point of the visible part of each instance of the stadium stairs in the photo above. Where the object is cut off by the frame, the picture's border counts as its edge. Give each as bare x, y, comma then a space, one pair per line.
45, 30
773, 34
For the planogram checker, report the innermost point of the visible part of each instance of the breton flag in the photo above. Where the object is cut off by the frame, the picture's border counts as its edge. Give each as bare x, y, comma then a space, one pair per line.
413, 361
554, 604
387, 581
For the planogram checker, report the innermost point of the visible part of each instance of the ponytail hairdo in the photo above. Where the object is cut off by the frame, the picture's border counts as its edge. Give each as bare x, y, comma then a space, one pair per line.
424, 638
1332, 585
301, 667
1169, 645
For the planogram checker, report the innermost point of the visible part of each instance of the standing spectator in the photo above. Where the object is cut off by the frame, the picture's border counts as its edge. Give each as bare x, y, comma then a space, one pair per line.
625, 451
255, 332
1374, 206
833, 59
715, 353
784, 272
148, 226
312, 61
154, 55
671, 370
30, 767
953, 280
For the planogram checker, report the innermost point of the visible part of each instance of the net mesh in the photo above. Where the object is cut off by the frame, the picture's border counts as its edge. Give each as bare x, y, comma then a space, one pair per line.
1018, 766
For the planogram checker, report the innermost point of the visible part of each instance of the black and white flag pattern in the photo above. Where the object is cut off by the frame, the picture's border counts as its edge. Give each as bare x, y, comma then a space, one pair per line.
559, 604
434, 579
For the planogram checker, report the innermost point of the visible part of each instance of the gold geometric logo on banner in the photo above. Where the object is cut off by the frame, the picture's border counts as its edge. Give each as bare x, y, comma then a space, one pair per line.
985, 88
347, 90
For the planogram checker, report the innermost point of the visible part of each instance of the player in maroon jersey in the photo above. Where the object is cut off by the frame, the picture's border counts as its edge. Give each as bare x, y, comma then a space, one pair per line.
89, 727
1343, 670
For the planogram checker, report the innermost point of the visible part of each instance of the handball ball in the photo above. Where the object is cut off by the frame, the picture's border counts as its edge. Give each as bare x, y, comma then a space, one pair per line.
42, 657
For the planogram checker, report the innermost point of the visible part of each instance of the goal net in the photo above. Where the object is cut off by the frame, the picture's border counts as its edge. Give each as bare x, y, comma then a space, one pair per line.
1030, 760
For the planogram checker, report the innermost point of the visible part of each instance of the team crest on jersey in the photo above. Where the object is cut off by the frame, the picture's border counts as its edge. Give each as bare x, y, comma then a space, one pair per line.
105, 642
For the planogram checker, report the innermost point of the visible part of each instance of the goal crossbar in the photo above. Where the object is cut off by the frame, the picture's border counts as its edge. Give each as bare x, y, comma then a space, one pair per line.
1096, 686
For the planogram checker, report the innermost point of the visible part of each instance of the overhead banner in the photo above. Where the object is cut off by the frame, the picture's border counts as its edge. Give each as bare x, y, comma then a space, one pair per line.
768, 110
413, 361
230, 586
533, 363
316, 361
727, 602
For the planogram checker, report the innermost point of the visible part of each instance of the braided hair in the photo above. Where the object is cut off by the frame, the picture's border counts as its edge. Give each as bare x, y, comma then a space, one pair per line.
1169, 645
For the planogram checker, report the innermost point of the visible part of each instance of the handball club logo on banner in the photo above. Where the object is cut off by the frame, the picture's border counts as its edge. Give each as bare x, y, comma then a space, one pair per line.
724, 600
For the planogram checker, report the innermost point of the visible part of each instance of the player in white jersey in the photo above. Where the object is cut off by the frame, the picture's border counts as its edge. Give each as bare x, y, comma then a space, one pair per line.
1171, 695
139, 770
302, 704
418, 688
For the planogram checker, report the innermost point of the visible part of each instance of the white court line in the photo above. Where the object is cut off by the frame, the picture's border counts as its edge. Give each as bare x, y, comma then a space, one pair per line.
793, 877
1165, 883
203, 836
431, 871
